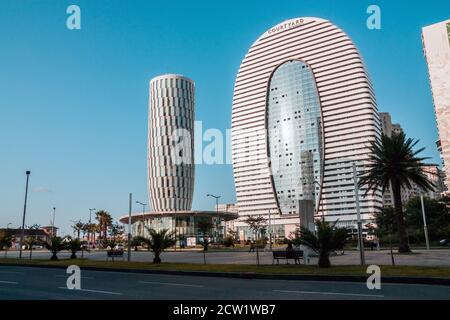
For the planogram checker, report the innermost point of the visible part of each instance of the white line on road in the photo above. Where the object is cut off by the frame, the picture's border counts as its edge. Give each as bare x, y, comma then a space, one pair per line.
11, 272
94, 291
173, 284
332, 293
9, 282
82, 277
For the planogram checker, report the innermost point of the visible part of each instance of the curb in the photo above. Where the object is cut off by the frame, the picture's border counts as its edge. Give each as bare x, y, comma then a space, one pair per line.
252, 275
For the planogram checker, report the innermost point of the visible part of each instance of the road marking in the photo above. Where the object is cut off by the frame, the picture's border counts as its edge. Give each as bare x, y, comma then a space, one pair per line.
173, 284
11, 272
9, 282
93, 291
61, 276
332, 293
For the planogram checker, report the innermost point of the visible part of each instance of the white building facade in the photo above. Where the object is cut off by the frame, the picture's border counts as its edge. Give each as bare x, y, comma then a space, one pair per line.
304, 111
436, 44
171, 117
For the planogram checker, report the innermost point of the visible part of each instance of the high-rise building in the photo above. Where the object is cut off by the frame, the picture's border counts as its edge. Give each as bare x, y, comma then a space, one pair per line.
304, 111
171, 167
432, 171
436, 44
170, 118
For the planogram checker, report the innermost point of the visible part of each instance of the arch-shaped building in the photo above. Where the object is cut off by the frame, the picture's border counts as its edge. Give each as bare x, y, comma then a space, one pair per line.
304, 111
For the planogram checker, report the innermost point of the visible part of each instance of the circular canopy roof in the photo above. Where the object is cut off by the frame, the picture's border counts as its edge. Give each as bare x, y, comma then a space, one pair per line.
178, 214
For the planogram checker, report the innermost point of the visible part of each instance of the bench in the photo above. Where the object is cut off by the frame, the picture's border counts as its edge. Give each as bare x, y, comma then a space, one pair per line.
114, 254
287, 255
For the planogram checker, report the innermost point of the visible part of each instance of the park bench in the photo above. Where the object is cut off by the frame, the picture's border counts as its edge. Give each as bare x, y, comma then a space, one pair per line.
114, 254
287, 255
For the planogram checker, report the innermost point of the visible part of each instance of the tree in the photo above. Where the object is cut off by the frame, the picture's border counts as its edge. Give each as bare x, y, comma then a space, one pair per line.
394, 164
205, 227
137, 242
77, 228
386, 227
104, 222
328, 239
55, 245
437, 215
158, 242
5, 241
115, 230
258, 225
30, 242
74, 245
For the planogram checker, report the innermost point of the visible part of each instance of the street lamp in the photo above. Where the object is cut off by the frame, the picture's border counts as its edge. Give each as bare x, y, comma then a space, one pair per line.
24, 214
358, 216
53, 222
217, 204
143, 215
90, 222
7, 226
425, 228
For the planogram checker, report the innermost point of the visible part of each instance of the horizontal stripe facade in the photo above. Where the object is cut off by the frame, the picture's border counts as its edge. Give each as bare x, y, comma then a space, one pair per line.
349, 113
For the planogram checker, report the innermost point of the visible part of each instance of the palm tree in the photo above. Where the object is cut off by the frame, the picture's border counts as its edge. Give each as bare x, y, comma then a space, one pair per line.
159, 241
137, 241
104, 222
31, 241
393, 164
74, 245
205, 227
328, 239
115, 230
55, 245
78, 227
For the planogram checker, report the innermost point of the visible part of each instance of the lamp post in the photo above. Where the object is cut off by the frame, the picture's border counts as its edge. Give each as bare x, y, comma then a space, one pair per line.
143, 215
90, 223
358, 215
53, 222
24, 214
129, 226
425, 228
270, 230
217, 203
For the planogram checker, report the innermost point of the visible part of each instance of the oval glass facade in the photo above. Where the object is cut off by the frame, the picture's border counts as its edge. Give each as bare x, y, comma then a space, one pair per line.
294, 135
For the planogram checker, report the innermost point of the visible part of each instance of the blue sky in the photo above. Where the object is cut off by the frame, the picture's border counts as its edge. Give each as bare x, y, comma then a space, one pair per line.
73, 104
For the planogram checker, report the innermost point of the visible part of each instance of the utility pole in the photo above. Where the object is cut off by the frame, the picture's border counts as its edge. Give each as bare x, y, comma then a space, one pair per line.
270, 230
425, 228
53, 222
129, 227
358, 215
24, 214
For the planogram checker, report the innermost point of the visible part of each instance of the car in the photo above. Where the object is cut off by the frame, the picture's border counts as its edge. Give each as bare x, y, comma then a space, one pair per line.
119, 247
445, 242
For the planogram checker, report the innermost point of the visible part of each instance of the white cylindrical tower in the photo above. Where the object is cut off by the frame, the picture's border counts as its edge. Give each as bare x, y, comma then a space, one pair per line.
170, 143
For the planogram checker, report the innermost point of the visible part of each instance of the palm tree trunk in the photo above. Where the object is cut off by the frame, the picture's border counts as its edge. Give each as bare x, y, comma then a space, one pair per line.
324, 260
403, 244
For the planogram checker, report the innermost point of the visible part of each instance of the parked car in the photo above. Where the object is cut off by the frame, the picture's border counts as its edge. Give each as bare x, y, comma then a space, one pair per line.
445, 242
119, 247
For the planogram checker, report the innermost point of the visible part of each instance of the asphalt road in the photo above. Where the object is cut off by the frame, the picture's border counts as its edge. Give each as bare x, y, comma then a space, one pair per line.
47, 283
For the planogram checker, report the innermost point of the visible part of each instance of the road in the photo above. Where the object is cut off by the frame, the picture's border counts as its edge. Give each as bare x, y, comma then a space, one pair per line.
47, 283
